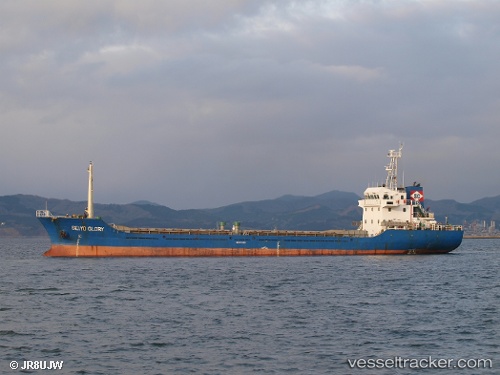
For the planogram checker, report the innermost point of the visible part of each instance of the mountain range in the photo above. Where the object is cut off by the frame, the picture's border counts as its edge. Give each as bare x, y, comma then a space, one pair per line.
332, 210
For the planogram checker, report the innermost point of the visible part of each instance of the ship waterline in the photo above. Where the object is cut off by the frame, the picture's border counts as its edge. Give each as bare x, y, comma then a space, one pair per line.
132, 252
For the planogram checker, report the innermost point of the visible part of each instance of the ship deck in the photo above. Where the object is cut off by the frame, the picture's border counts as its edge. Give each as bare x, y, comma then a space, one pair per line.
227, 232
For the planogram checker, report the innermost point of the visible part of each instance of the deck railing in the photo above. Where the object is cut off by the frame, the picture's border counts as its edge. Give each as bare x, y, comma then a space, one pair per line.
43, 213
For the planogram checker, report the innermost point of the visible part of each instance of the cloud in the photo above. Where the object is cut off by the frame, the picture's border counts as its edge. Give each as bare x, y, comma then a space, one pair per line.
357, 73
199, 104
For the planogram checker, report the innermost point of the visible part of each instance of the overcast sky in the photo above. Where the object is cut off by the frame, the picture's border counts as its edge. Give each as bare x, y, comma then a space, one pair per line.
200, 104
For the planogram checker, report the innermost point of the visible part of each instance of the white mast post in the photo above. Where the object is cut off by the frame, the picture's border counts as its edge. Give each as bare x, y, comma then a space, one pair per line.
392, 169
90, 204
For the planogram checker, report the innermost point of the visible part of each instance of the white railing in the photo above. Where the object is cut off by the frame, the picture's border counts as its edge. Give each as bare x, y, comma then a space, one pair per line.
43, 213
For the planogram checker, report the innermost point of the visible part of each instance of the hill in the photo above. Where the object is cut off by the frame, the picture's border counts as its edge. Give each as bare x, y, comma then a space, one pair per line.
332, 210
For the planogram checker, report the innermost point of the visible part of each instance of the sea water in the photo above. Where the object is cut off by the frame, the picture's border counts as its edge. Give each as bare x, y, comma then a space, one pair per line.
304, 315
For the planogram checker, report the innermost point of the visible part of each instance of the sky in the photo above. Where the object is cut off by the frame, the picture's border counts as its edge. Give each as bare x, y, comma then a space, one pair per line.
201, 104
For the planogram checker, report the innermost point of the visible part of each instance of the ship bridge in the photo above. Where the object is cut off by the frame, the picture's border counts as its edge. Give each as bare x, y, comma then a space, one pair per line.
390, 206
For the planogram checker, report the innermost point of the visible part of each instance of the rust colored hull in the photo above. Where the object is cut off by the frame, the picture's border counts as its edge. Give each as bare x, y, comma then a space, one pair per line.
75, 237
114, 251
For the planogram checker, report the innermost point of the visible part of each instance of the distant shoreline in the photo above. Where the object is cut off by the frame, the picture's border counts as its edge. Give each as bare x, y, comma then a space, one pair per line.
481, 237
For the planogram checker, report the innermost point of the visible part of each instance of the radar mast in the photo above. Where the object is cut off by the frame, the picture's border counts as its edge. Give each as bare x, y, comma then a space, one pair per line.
392, 169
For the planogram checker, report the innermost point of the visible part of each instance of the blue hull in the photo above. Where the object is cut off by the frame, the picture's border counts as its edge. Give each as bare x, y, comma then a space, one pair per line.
94, 238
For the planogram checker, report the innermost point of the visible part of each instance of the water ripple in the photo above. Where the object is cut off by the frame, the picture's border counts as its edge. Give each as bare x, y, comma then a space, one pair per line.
246, 315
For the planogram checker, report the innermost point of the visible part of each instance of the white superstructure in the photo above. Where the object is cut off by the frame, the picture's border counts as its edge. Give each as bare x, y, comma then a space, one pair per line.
393, 207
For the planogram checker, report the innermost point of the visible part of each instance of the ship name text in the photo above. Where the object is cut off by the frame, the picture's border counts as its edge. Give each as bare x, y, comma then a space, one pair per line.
83, 228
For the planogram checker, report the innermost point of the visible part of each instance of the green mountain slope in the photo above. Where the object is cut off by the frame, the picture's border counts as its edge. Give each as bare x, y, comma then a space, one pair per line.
332, 210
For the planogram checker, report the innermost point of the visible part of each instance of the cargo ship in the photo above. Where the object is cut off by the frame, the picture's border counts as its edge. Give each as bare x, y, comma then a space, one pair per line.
394, 221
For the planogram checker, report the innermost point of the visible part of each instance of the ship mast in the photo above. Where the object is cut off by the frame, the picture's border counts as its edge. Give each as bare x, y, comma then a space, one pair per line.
392, 169
90, 204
